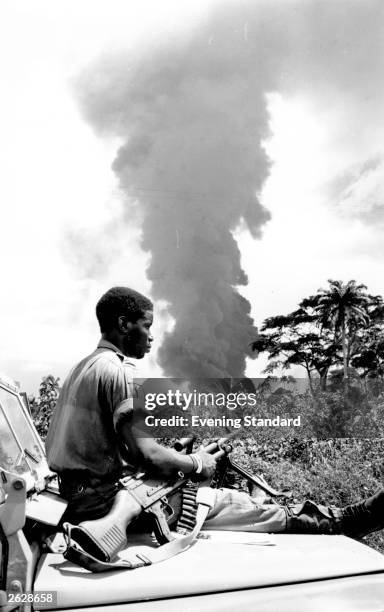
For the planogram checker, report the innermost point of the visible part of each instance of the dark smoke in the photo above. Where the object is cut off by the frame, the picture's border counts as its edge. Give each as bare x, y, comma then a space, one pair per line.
193, 117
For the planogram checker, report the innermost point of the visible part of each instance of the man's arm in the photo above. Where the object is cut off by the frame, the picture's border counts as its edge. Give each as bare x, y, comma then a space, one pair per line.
146, 452
127, 402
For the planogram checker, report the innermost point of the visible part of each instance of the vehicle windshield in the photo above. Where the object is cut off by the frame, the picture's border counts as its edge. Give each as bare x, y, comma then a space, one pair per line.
20, 448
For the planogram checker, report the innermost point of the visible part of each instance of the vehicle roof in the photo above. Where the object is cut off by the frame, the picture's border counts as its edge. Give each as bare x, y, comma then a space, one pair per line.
213, 565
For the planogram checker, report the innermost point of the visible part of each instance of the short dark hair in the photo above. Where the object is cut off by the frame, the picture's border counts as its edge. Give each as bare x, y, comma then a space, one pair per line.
120, 301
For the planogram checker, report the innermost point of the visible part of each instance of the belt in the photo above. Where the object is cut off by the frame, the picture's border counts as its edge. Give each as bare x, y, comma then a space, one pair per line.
72, 484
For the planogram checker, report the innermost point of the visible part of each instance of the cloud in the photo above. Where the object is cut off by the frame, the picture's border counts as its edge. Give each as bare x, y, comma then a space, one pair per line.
359, 192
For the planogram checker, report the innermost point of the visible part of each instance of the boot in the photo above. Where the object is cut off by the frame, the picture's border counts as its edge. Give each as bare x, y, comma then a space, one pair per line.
357, 520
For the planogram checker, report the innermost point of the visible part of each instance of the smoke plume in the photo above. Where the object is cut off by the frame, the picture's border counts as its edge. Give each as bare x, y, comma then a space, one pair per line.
192, 115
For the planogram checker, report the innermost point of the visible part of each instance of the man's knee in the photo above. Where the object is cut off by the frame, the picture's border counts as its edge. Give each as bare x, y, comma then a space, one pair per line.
236, 510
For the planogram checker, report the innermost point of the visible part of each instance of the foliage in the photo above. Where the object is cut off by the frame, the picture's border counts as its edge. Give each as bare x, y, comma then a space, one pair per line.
344, 309
369, 357
352, 410
342, 325
294, 339
43, 406
332, 472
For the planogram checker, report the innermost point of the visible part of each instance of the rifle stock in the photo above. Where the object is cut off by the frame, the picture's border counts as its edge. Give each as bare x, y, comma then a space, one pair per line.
103, 538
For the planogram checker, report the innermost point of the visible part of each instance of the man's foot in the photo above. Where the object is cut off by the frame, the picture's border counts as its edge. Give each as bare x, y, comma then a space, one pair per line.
360, 519
356, 520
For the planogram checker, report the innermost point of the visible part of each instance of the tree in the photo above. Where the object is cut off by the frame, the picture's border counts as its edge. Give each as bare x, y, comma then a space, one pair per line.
368, 359
344, 308
295, 339
329, 329
43, 406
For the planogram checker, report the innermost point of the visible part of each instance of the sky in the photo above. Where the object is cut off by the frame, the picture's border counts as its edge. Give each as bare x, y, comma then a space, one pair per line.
83, 82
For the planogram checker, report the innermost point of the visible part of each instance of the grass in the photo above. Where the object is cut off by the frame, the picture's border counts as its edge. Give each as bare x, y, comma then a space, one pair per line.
330, 472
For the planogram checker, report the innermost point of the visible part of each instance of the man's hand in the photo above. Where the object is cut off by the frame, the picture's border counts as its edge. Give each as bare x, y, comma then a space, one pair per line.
209, 465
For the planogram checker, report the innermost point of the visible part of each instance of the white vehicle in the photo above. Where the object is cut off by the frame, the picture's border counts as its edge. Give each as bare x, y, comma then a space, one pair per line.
221, 571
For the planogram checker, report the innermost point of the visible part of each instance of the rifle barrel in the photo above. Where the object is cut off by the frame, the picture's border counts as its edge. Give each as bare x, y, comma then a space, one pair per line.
183, 443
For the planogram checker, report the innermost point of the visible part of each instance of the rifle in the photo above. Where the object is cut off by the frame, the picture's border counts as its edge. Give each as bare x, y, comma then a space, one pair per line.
104, 538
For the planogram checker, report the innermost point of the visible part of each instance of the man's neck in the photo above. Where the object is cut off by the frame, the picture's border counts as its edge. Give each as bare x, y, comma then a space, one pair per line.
114, 338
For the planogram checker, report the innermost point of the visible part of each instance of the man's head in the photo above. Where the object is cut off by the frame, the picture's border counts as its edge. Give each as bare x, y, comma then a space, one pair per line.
125, 318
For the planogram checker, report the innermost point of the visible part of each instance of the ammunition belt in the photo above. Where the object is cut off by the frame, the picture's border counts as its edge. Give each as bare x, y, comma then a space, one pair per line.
187, 519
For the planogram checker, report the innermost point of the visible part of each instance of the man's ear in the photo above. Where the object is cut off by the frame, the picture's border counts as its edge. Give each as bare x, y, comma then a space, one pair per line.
124, 324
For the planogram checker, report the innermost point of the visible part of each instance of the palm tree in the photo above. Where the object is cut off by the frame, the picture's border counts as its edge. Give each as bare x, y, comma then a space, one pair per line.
343, 307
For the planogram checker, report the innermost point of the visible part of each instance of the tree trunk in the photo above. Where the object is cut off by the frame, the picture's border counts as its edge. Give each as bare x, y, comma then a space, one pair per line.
310, 381
323, 380
344, 347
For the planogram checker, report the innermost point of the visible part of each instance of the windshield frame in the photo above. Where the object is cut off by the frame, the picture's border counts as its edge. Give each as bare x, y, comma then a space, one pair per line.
36, 474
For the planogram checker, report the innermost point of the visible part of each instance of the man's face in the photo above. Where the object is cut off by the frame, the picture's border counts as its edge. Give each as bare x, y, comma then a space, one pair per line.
138, 340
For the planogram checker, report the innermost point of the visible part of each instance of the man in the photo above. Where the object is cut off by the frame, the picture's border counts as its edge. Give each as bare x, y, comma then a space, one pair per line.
94, 439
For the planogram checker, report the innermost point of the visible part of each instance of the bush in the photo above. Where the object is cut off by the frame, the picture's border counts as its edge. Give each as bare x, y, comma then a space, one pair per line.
43, 406
331, 472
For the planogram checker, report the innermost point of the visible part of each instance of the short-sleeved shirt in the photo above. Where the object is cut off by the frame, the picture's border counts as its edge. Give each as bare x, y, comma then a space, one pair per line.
82, 438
